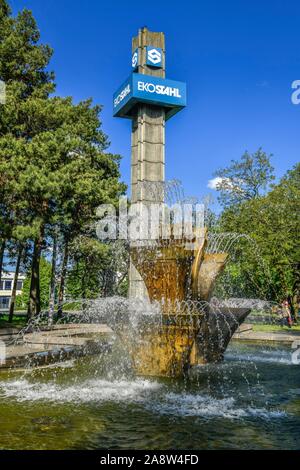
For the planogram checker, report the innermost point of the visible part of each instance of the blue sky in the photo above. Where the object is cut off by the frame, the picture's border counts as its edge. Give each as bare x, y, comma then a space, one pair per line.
239, 59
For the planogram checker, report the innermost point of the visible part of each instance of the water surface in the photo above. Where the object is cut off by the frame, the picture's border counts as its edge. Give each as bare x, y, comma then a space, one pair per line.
251, 401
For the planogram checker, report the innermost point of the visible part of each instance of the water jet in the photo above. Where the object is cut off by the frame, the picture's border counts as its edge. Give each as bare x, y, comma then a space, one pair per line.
178, 274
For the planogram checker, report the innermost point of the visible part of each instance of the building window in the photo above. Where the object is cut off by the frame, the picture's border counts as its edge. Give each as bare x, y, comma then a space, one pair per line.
4, 302
8, 285
1, 285
19, 285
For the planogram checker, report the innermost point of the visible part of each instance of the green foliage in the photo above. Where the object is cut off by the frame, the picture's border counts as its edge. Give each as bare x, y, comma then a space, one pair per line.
45, 275
23, 60
244, 179
54, 166
17, 322
85, 279
98, 269
269, 265
22, 299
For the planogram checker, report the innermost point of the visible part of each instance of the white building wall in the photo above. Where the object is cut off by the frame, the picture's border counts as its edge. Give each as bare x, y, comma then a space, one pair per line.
6, 285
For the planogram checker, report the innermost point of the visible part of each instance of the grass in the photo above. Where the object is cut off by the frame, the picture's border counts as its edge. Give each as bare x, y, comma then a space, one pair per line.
275, 328
18, 321
262, 313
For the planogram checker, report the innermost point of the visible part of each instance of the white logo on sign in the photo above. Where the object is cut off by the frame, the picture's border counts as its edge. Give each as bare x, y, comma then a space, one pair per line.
134, 59
159, 89
122, 95
154, 56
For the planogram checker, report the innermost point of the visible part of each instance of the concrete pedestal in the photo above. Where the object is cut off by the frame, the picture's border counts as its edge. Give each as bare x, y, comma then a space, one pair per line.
147, 144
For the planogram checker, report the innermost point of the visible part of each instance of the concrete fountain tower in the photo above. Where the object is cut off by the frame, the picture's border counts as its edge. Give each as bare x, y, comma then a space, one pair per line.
176, 273
148, 123
149, 100
147, 135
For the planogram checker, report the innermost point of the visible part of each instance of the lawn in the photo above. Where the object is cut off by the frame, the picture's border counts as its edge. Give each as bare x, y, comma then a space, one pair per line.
18, 321
275, 328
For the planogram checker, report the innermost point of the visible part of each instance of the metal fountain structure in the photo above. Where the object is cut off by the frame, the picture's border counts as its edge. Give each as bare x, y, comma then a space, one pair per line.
176, 273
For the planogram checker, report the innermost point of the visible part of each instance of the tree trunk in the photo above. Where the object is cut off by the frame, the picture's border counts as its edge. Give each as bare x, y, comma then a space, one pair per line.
294, 307
34, 306
53, 280
63, 279
296, 294
14, 289
2, 250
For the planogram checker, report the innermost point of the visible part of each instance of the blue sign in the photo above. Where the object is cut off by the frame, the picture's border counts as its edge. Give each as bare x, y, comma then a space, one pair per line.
139, 88
135, 59
122, 96
154, 56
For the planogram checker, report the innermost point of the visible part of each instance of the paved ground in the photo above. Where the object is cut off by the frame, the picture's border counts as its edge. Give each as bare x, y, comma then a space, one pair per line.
62, 342
58, 343
247, 334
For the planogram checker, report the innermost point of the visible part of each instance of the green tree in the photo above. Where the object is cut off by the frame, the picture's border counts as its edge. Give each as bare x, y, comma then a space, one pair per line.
244, 179
23, 62
272, 223
90, 258
97, 268
53, 165
45, 276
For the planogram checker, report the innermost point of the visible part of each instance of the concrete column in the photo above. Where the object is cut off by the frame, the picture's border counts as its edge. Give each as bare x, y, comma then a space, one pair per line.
147, 143
147, 152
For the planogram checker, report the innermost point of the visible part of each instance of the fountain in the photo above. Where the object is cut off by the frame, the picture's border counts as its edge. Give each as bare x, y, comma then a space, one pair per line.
190, 330
176, 273
173, 275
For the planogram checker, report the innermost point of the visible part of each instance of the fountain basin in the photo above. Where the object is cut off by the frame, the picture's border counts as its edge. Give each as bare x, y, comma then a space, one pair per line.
180, 275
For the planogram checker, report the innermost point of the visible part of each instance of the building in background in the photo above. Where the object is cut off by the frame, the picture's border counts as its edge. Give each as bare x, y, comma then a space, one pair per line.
6, 286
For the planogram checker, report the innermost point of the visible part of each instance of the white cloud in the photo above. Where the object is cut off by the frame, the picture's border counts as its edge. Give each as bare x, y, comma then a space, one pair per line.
213, 183
227, 184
